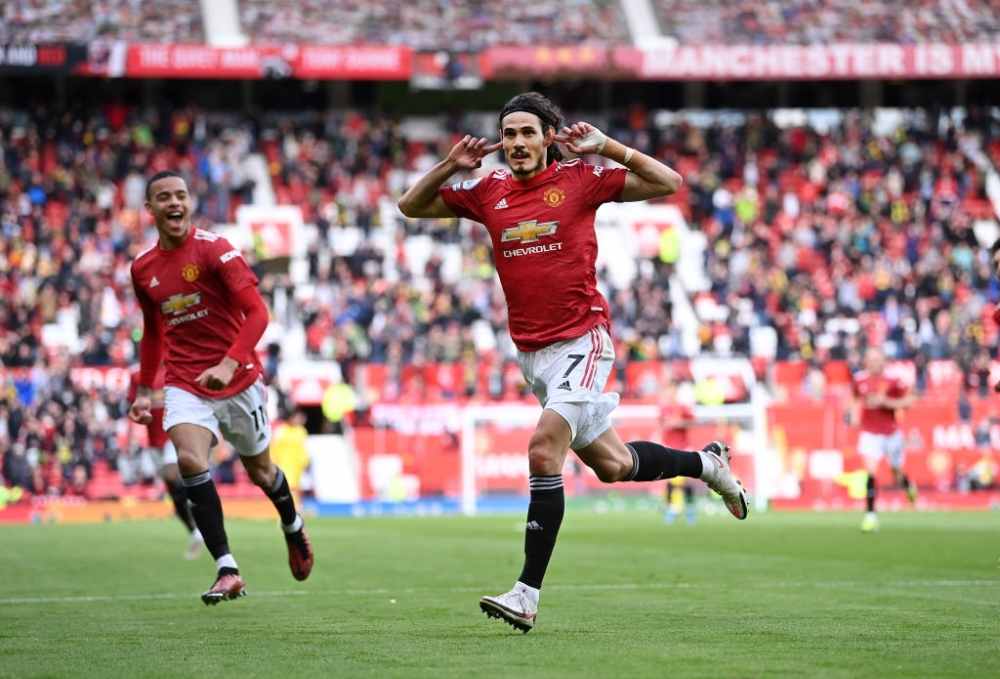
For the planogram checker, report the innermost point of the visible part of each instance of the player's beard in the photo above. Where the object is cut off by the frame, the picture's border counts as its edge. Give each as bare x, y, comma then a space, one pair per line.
540, 165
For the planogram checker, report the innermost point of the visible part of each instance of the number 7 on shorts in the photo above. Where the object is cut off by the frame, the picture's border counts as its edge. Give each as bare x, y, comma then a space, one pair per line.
575, 361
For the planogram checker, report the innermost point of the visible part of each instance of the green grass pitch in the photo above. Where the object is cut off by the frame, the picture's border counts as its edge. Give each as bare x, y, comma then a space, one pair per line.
781, 595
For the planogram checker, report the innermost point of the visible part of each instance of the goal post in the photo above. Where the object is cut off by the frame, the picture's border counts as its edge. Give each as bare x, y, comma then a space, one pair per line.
494, 438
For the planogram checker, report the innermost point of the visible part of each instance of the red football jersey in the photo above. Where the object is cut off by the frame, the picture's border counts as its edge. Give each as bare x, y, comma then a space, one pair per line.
156, 436
878, 420
544, 245
186, 295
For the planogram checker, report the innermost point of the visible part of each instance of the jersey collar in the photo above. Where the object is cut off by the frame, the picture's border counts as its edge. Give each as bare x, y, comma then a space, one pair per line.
539, 178
187, 239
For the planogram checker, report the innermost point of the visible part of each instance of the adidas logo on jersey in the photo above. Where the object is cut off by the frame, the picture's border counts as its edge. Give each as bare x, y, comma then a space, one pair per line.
153, 283
565, 385
533, 525
501, 204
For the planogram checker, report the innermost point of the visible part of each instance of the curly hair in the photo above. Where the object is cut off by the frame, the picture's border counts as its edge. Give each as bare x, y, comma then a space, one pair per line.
548, 113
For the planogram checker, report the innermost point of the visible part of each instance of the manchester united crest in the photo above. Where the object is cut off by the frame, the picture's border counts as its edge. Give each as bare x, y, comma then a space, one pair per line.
190, 272
554, 196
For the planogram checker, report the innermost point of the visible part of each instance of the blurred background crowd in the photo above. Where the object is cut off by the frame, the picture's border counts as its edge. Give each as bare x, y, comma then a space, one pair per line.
826, 231
834, 235
808, 22
434, 24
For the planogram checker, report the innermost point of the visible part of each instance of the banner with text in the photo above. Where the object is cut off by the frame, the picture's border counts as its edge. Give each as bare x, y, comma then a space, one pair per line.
810, 62
364, 62
48, 58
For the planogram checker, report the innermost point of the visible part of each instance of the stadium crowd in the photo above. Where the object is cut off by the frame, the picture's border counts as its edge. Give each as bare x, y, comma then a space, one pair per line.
38, 21
52, 431
421, 24
820, 22
463, 26
818, 235
434, 24
831, 236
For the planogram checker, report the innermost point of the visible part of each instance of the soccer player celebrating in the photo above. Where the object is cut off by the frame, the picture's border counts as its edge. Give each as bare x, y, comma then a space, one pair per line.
200, 301
164, 456
879, 398
540, 217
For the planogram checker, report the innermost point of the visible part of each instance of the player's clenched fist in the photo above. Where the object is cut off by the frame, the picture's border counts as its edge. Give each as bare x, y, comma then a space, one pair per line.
468, 153
140, 410
582, 138
218, 376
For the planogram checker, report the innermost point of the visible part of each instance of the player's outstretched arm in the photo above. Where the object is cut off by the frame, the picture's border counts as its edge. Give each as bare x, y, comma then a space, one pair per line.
647, 177
423, 200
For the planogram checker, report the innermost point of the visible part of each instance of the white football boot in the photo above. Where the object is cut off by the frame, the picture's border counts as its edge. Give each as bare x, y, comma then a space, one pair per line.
717, 475
515, 608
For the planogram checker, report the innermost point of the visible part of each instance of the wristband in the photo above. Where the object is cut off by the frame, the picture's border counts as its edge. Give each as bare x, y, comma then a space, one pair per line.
628, 155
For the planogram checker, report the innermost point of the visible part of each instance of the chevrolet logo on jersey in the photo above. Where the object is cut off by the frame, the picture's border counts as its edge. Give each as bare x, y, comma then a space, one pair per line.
529, 232
176, 304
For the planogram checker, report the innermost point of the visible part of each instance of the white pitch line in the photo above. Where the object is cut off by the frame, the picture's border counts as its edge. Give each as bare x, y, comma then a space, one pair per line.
620, 586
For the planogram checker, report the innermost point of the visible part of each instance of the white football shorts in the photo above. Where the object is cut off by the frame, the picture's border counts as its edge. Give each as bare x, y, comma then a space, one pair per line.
873, 447
241, 419
569, 377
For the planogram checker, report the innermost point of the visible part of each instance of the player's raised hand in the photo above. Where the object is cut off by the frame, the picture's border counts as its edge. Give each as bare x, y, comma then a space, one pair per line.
468, 153
582, 138
139, 411
218, 376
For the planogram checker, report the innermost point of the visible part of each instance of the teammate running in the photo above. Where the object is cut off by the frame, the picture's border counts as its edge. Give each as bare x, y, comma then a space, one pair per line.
161, 452
200, 301
879, 398
540, 217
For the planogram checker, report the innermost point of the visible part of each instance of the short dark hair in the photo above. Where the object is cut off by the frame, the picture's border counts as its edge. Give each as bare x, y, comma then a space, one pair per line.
995, 248
540, 105
157, 177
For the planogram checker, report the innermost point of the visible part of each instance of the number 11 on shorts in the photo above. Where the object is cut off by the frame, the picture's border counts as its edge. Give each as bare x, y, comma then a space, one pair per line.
259, 418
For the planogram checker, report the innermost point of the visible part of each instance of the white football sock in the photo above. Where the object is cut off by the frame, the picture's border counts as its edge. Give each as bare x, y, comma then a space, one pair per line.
226, 561
295, 526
